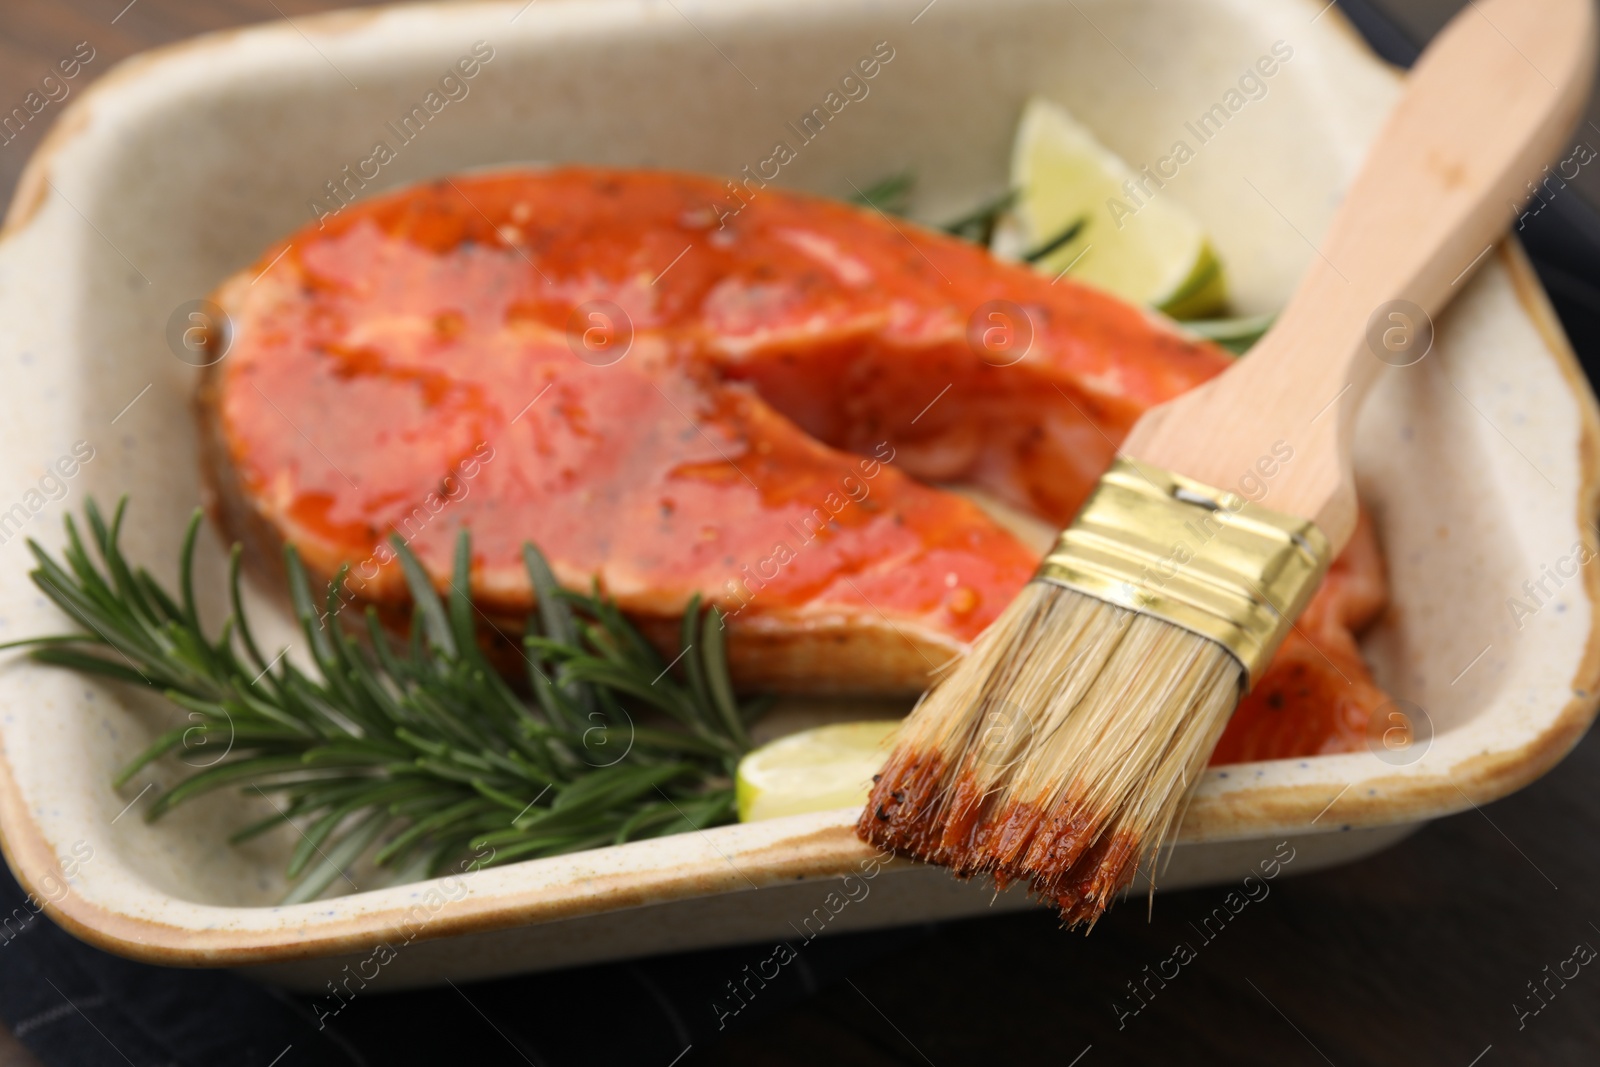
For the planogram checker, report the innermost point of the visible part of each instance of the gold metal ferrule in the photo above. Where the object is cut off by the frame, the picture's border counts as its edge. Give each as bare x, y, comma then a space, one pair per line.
1201, 558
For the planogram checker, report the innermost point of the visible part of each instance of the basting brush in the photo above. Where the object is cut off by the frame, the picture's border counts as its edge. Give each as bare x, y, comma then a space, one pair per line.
1057, 752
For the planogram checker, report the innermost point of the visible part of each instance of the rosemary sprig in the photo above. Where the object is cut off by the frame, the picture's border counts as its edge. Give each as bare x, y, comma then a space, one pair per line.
1065, 237
415, 753
891, 195
979, 224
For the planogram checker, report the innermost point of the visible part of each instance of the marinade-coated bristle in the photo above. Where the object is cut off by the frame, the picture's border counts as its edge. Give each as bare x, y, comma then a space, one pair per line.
1058, 751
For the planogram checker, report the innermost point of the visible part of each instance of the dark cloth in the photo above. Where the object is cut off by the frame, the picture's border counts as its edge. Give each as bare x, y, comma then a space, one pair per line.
76, 1006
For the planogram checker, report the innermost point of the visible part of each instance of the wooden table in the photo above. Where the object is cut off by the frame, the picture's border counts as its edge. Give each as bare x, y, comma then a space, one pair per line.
1422, 954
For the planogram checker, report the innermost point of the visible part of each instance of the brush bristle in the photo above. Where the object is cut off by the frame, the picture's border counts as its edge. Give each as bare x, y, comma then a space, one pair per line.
1058, 751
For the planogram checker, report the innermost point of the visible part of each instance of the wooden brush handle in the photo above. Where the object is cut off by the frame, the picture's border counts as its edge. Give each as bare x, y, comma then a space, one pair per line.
1486, 106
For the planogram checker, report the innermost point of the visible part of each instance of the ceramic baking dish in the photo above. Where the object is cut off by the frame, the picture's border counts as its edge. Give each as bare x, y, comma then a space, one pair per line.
179, 166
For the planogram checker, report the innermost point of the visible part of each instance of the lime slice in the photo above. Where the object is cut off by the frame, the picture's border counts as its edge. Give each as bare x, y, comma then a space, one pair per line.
1139, 244
814, 770
1236, 335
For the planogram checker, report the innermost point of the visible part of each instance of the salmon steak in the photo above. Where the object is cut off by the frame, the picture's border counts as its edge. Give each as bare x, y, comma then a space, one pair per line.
678, 386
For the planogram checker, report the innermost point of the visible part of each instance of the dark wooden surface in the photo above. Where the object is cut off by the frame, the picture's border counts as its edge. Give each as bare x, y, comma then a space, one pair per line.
1422, 954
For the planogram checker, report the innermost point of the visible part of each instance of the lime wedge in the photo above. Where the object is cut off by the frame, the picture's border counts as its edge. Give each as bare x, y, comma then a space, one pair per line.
1237, 335
1140, 245
814, 770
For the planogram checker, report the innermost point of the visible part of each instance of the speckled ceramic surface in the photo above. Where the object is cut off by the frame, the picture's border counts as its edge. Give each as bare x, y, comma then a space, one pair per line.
179, 166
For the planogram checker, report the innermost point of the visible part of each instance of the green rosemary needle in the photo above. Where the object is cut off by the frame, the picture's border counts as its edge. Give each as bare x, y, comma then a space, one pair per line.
978, 225
416, 753
891, 195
